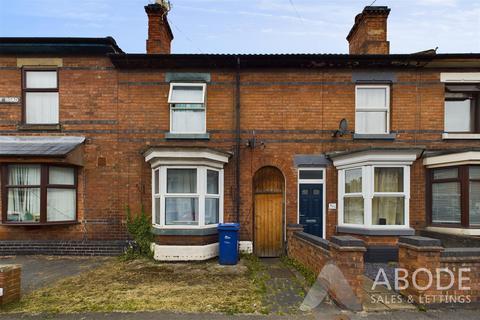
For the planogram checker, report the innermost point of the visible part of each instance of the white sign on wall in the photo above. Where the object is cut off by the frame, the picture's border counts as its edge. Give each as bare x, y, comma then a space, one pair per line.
332, 206
9, 99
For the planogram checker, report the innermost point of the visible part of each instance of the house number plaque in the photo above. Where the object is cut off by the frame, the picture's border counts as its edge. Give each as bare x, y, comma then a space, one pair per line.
9, 99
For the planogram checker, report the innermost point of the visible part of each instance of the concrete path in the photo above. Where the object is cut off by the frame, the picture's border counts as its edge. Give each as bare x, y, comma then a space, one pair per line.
400, 315
39, 271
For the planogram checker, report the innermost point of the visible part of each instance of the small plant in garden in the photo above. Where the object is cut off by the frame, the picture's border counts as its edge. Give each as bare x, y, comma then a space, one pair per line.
139, 227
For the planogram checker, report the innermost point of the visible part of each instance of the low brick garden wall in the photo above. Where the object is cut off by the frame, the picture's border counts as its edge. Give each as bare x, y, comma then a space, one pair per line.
10, 283
458, 280
315, 253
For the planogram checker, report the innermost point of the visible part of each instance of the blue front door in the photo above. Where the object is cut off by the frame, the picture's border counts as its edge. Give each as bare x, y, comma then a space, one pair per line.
311, 208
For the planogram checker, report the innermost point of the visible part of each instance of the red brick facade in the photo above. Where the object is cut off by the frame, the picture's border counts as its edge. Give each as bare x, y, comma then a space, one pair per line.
292, 111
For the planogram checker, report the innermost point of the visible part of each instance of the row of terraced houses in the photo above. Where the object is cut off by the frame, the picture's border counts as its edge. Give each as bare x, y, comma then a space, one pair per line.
369, 144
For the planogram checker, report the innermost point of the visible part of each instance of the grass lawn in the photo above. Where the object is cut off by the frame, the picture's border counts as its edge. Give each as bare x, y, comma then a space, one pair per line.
143, 285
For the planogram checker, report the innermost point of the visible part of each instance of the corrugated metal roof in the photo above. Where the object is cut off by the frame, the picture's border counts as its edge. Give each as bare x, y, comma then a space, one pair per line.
54, 146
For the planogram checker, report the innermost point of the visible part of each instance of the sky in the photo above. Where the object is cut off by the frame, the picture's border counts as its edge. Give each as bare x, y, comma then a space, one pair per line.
249, 26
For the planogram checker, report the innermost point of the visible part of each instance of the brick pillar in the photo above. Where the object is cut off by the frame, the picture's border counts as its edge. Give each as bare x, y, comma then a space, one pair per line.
417, 252
10, 280
291, 229
348, 252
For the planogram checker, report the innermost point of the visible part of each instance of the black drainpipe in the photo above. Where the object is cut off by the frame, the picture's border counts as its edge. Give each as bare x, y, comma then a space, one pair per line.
237, 140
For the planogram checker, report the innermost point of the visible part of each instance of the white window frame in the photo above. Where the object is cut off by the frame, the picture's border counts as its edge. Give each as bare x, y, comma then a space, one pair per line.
201, 194
173, 102
386, 109
368, 192
323, 182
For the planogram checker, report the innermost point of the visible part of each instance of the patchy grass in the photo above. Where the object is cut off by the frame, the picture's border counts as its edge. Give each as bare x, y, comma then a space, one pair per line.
143, 285
309, 276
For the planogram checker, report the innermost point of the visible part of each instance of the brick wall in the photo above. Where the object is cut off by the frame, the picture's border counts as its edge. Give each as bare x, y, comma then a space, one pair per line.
10, 283
122, 113
346, 253
420, 252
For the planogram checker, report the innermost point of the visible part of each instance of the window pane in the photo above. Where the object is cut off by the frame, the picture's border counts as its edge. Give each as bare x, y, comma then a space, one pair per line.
448, 173
474, 202
388, 211
457, 116
181, 180
157, 210
211, 210
311, 174
353, 210
388, 179
188, 121
156, 182
372, 98
212, 182
61, 204
41, 107
41, 79
474, 172
181, 211
371, 122
446, 202
24, 175
353, 181
23, 204
61, 175
187, 94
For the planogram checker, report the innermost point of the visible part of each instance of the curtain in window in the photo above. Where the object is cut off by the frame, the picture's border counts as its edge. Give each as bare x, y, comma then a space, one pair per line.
181, 181
458, 116
388, 210
371, 98
388, 180
446, 202
41, 79
187, 94
24, 203
212, 182
475, 202
211, 210
41, 107
61, 176
353, 210
371, 122
181, 211
188, 120
61, 204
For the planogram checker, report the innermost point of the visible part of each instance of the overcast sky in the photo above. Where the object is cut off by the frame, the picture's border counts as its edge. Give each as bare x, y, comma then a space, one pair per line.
249, 26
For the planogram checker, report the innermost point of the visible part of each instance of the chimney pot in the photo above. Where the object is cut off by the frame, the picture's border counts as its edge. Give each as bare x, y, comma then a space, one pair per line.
369, 33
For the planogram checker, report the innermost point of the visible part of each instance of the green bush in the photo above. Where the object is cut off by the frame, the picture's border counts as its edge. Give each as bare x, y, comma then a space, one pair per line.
139, 226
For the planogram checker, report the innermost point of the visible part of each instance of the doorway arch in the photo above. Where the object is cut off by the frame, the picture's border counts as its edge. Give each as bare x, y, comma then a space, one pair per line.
268, 213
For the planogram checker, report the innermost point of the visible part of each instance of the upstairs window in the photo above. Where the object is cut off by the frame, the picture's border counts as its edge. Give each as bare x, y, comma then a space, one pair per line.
187, 108
462, 113
40, 95
372, 106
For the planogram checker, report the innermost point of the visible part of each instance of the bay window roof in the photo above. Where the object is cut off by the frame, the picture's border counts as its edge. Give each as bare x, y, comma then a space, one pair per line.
42, 146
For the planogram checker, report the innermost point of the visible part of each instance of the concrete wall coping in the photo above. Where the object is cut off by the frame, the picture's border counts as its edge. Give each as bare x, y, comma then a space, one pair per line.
323, 243
347, 241
294, 226
461, 253
9, 267
419, 241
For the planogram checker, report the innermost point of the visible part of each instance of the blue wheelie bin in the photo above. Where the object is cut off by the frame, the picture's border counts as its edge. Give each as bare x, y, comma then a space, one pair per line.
228, 239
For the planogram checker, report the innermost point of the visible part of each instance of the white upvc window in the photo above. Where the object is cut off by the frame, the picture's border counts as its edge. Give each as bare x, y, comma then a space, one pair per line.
187, 108
187, 196
374, 196
372, 109
41, 98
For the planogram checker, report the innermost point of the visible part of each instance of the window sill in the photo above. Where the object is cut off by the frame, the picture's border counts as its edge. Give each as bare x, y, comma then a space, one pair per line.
377, 232
362, 136
204, 231
453, 230
39, 127
461, 136
187, 136
20, 224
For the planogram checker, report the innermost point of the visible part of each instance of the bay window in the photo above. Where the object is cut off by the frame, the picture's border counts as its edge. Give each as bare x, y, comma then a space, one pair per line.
455, 196
374, 196
40, 95
187, 197
187, 108
34, 193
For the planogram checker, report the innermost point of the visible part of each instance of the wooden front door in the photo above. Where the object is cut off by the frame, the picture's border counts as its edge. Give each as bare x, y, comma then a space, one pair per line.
268, 212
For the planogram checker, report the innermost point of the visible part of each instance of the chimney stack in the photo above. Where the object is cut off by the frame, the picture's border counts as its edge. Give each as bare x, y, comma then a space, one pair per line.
160, 34
369, 33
